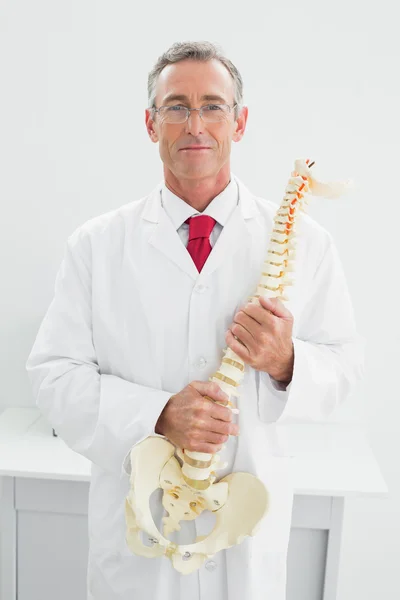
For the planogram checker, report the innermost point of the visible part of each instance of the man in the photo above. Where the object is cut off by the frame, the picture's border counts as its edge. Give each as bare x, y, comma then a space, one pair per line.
141, 315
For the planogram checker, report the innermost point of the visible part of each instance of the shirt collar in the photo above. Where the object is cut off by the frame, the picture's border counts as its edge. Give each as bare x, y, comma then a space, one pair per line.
220, 207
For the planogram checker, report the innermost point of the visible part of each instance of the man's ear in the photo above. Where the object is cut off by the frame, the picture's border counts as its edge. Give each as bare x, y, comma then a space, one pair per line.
153, 135
150, 126
240, 124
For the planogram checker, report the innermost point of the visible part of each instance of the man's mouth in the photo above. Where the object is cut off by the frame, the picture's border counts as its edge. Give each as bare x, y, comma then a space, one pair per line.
195, 149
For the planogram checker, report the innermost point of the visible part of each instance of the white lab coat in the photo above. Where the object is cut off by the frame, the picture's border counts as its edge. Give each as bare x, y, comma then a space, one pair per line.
130, 320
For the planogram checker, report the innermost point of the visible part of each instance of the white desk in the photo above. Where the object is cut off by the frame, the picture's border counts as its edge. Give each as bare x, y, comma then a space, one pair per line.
43, 503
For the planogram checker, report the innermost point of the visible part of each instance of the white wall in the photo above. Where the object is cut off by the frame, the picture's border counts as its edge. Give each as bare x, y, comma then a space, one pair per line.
321, 80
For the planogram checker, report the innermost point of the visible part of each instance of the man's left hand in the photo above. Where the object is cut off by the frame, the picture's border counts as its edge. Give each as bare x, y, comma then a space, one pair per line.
264, 337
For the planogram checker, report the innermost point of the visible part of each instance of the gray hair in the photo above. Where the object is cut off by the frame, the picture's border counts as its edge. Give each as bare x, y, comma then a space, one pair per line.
198, 51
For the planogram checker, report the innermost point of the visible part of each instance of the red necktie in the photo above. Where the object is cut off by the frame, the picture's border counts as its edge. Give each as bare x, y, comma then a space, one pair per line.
199, 246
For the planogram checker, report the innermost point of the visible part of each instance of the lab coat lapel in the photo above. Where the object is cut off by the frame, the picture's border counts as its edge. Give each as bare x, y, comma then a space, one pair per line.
235, 233
227, 243
164, 236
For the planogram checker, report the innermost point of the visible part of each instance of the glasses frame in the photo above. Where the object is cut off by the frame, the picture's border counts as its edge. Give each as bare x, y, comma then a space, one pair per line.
189, 110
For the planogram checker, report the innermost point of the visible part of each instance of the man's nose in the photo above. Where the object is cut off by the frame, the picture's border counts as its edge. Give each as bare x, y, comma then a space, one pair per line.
194, 124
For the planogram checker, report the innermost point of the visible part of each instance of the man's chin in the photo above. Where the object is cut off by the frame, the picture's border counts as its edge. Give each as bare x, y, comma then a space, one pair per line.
196, 166
197, 172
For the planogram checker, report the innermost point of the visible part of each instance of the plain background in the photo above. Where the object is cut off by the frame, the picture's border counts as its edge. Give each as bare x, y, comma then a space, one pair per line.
321, 80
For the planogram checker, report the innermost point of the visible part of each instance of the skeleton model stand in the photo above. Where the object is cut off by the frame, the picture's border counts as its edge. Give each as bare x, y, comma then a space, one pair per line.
239, 500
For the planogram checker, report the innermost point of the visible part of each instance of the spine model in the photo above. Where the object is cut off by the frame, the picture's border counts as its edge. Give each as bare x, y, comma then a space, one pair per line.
240, 500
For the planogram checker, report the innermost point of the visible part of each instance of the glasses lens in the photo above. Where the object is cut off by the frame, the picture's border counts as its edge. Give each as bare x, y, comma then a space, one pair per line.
173, 114
215, 112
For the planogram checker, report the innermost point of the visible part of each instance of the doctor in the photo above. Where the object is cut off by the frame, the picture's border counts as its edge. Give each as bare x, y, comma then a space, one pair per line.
146, 298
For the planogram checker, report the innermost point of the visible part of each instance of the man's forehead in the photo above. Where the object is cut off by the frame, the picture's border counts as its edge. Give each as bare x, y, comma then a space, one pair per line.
209, 81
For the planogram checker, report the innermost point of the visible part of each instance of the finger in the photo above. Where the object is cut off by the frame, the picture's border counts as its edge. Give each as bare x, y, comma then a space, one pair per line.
211, 437
246, 321
243, 336
211, 390
220, 413
276, 306
257, 312
222, 427
204, 447
237, 347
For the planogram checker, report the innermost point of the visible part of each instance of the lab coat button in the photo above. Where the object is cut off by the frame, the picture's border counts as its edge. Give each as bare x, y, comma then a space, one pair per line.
200, 289
201, 363
211, 565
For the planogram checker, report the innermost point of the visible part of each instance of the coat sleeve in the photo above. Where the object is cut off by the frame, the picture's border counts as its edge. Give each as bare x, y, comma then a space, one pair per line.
100, 416
328, 352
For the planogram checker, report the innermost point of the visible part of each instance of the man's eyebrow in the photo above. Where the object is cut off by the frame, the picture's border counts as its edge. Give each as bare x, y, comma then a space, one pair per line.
183, 98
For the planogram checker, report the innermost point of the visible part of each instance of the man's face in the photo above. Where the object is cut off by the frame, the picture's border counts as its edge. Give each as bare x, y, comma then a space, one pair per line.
194, 80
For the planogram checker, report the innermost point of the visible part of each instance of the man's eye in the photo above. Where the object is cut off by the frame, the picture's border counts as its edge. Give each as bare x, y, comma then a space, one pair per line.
212, 107
176, 108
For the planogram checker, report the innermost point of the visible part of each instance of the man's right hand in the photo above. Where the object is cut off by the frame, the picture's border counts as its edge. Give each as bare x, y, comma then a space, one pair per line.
192, 421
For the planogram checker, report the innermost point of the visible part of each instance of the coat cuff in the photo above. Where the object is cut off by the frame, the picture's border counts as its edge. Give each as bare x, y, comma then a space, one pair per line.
323, 378
128, 414
131, 422
272, 397
314, 393
278, 385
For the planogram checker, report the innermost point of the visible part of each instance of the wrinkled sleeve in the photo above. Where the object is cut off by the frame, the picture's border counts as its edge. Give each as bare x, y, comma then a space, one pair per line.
100, 416
328, 352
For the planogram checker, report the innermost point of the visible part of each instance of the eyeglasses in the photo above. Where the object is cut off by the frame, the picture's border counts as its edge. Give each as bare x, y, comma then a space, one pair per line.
211, 113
